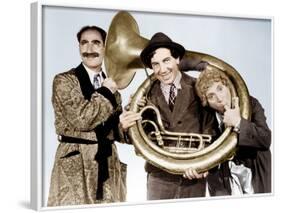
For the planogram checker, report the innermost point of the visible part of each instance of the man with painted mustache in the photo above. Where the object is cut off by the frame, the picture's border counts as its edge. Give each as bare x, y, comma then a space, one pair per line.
87, 106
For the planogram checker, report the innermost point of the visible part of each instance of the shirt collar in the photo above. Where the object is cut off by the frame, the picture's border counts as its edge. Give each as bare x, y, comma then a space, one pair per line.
92, 73
176, 82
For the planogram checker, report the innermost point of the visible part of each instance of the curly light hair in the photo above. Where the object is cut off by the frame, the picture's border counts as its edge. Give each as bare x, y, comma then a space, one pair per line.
206, 79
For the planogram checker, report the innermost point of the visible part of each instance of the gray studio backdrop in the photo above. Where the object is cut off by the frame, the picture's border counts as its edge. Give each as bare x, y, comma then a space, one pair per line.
244, 43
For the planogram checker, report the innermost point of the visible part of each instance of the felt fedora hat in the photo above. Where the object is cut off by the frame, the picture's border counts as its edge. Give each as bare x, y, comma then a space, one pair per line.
160, 40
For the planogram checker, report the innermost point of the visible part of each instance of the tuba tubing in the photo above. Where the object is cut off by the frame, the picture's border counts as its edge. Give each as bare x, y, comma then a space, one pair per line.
123, 47
219, 151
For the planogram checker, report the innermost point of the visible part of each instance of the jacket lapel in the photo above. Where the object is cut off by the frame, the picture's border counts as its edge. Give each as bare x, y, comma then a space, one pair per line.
163, 106
184, 99
185, 96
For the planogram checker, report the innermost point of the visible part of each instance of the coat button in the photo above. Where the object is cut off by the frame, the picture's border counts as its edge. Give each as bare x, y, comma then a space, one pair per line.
179, 122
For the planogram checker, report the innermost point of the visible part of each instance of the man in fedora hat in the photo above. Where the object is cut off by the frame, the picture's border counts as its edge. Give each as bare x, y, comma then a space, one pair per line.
174, 95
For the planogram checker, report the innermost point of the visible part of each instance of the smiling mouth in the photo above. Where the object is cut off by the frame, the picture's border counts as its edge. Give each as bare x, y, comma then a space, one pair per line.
166, 74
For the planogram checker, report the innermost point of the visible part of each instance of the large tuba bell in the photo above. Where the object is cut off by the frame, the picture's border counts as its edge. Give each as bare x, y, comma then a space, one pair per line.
123, 48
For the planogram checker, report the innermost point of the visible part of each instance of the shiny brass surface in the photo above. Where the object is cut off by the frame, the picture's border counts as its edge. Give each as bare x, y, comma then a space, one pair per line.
185, 142
123, 47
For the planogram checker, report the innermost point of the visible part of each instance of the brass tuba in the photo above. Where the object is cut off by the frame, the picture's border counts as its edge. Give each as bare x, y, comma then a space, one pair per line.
122, 51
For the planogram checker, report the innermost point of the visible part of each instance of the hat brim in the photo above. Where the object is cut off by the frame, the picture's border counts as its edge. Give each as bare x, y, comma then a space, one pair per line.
150, 48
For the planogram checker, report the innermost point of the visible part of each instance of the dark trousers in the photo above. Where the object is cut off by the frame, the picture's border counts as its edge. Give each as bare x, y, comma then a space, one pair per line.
163, 185
218, 180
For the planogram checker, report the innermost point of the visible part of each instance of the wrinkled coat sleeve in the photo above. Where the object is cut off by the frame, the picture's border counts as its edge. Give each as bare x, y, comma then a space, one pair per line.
71, 106
255, 133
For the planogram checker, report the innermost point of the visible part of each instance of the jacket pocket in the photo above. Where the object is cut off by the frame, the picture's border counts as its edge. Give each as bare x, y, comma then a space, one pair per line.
72, 164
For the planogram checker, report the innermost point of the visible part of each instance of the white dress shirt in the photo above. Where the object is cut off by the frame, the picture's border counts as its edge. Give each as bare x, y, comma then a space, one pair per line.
241, 176
92, 74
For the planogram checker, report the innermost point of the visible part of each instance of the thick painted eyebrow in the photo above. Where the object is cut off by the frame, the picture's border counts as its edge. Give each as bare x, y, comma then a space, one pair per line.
93, 41
96, 41
84, 41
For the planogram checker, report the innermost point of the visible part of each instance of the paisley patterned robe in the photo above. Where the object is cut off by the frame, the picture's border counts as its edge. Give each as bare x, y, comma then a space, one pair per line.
79, 110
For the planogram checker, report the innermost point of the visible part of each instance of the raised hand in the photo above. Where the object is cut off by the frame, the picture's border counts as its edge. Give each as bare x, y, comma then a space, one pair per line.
232, 115
110, 84
128, 119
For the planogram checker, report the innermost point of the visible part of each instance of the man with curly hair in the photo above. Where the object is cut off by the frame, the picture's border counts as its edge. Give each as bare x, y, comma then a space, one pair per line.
250, 169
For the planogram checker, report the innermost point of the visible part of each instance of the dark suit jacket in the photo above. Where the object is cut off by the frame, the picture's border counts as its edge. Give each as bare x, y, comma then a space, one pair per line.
188, 115
253, 148
253, 151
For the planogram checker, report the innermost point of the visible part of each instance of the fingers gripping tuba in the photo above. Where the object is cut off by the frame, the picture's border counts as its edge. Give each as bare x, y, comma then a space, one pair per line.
123, 48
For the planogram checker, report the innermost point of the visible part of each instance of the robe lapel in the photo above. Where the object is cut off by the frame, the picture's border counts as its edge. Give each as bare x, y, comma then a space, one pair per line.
103, 75
84, 81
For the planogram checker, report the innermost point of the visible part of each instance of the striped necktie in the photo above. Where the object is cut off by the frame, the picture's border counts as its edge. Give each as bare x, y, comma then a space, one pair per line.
172, 97
96, 82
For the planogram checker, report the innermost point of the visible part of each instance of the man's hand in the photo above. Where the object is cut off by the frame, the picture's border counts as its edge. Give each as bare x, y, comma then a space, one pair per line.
128, 119
110, 84
232, 115
193, 174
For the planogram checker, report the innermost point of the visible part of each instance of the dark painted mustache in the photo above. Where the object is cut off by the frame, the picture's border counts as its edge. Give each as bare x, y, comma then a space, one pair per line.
94, 54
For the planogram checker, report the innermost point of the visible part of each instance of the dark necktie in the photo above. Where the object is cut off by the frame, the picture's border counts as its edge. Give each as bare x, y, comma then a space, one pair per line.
221, 127
172, 97
96, 82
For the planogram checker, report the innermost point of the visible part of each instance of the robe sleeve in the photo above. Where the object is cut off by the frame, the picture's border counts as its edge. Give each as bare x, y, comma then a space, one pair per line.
79, 113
